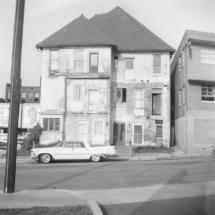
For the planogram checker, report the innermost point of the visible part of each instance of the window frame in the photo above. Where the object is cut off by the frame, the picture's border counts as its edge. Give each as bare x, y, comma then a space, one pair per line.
93, 68
208, 86
157, 66
153, 113
52, 72
75, 87
52, 124
142, 134
123, 94
207, 59
141, 99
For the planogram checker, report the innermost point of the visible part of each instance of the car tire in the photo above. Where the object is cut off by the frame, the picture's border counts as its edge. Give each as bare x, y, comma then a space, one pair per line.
95, 158
45, 158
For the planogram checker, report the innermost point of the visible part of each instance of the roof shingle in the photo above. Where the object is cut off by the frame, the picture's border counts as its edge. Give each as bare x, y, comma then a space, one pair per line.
113, 28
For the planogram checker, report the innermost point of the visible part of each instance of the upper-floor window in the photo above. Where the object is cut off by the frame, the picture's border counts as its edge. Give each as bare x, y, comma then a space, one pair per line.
115, 62
94, 60
181, 62
79, 60
208, 56
183, 94
54, 55
31, 97
36, 97
179, 97
208, 93
139, 98
156, 102
156, 63
51, 124
77, 92
129, 63
121, 94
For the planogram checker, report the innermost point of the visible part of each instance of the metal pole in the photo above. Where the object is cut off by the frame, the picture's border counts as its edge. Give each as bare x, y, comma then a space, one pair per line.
10, 169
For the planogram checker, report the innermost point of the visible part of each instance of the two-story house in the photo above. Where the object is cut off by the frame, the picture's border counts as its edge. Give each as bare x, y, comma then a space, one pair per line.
193, 92
105, 80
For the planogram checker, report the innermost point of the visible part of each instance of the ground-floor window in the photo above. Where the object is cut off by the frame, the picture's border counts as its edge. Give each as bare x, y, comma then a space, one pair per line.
159, 128
208, 93
51, 124
138, 134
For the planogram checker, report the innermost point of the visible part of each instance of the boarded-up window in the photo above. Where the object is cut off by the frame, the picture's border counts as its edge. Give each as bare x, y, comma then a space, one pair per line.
129, 63
77, 92
54, 55
157, 63
139, 98
156, 103
208, 56
79, 60
121, 94
138, 134
98, 128
94, 62
51, 124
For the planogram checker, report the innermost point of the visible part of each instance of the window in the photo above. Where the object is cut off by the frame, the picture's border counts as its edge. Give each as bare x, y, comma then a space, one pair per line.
179, 97
121, 94
115, 62
98, 128
156, 63
208, 93
129, 63
69, 144
183, 95
138, 134
156, 103
51, 124
139, 98
79, 60
77, 92
159, 128
79, 145
36, 97
94, 62
208, 56
31, 97
53, 62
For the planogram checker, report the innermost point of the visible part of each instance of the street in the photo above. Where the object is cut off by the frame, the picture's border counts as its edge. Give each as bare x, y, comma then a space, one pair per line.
125, 187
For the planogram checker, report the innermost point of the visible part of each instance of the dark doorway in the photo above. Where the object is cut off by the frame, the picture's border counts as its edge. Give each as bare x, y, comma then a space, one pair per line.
119, 133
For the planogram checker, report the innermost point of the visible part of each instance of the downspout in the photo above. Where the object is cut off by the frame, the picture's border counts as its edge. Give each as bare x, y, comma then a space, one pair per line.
65, 110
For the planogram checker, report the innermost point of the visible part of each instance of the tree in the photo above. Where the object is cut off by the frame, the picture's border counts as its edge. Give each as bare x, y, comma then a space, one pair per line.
33, 137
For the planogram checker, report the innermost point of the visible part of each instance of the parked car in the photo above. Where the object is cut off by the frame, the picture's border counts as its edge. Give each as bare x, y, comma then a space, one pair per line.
73, 150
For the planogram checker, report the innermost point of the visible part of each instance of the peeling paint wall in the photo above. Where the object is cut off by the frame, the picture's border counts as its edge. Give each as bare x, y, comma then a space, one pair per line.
142, 77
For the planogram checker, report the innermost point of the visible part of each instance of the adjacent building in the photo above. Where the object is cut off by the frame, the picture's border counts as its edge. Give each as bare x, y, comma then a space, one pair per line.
106, 80
193, 93
28, 94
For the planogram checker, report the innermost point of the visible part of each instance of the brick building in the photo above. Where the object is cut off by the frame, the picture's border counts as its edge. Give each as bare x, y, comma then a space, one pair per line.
193, 93
106, 80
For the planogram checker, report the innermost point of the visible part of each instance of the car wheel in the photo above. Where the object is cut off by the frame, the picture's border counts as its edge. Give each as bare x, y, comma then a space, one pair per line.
96, 158
45, 158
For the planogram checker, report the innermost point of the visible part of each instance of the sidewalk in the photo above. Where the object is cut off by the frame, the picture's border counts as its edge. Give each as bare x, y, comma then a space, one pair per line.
176, 155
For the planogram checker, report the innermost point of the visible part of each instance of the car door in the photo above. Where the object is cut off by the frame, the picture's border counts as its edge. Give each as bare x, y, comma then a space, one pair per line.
67, 151
81, 151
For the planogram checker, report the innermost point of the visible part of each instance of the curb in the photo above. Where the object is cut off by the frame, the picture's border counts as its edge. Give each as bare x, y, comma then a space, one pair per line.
94, 207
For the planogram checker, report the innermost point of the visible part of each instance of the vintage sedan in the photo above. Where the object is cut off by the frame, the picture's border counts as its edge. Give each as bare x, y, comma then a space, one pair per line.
73, 150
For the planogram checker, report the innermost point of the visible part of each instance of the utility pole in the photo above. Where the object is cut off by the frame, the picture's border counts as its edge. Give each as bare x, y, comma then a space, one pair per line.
10, 168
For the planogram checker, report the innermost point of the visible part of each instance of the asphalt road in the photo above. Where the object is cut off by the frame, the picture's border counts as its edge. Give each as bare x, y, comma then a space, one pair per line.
172, 175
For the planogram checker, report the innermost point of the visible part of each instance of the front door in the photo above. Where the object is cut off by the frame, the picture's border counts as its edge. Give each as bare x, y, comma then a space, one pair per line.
82, 132
119, 133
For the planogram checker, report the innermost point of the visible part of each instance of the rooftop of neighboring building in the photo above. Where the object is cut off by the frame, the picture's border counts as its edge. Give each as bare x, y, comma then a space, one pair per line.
198, 37
115, 28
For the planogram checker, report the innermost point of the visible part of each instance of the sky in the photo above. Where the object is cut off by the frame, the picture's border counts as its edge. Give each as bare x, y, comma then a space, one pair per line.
167, 18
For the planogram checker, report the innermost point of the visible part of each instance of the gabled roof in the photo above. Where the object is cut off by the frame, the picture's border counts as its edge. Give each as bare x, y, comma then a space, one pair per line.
199, 37
113, 28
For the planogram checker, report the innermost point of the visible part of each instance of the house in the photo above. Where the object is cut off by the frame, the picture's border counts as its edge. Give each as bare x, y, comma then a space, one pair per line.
193, 92
29, 94
106, 80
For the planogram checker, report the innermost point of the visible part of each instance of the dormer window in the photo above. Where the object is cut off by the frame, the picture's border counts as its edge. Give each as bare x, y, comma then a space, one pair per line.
54, 55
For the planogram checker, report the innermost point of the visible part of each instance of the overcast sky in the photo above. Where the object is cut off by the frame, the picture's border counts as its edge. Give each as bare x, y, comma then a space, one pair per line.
166, 18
